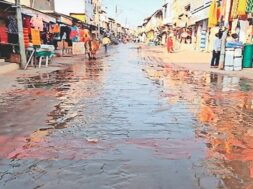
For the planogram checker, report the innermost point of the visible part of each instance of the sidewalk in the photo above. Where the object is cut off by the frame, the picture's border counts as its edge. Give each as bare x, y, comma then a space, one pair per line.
193, 60
10, 73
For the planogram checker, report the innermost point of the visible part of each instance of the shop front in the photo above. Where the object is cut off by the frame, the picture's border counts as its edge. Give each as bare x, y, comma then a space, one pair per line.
241, 32
199, 24
8, 33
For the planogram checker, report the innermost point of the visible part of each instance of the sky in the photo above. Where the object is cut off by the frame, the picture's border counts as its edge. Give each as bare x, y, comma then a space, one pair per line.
132, 12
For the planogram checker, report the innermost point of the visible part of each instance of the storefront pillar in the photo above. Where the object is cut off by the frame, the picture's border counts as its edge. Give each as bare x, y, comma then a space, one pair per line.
20, 34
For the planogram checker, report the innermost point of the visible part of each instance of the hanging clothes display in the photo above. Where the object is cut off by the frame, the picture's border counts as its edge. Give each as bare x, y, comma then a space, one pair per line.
3, 34
12, 25
35, 37
55, 28
26, 37
249, 8
212, 16
241, 11
27, 23
37, 23
74, 34
234, 9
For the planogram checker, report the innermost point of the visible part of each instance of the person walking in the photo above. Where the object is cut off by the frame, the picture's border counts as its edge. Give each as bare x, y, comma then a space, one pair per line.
170, 44
93, 47
106, 41
216, 51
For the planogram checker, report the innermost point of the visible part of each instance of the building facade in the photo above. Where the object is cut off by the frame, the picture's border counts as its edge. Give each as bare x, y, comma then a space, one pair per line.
42, 5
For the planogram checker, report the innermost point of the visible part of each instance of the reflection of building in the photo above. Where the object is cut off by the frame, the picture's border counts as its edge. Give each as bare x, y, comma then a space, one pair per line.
224, 116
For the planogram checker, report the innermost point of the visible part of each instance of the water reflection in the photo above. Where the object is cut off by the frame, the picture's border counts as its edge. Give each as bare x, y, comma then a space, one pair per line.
223, 107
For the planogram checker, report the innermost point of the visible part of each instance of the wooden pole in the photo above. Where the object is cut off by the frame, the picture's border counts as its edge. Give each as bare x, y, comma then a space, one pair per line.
20, 34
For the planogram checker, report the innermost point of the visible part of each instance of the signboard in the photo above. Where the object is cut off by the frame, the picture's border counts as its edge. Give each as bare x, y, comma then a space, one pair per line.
81, 17
78, 48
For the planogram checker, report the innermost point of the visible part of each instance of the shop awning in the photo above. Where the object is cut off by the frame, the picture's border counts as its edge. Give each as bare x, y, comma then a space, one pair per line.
33, 12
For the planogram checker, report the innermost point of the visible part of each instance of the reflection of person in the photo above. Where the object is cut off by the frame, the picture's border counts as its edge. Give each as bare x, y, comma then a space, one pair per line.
106, 41
93, 46
170, 44
216, 50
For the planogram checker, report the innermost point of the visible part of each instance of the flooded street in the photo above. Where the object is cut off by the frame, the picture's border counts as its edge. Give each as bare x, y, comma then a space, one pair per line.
127, 121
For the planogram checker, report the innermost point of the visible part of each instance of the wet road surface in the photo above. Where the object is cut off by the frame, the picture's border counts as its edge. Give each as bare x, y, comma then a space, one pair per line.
127, 121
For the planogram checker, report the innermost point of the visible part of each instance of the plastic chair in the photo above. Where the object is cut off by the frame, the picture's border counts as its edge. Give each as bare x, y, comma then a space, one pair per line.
47, 55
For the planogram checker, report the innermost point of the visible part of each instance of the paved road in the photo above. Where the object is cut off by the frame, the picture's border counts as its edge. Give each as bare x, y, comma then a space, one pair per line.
127, 121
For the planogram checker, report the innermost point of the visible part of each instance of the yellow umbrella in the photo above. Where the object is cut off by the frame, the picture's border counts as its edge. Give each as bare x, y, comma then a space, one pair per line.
212, 16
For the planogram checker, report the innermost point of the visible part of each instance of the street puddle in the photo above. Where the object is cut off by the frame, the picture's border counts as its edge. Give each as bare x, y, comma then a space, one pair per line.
223, 106
100, 111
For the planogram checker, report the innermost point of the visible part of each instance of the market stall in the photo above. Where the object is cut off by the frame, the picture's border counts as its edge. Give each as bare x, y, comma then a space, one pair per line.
242, 27
39, 31
8, 33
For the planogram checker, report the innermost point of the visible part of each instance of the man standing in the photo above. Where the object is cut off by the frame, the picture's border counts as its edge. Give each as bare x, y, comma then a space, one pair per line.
216, 50
106, 41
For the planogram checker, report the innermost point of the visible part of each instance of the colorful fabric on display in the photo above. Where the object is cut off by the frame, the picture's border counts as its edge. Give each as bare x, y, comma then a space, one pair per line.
3, 34
74, 34
241, 11
26, 37
12, 25
37, 23
27, 23
36, 37
55, 28
234, 9
249, 8
212, 16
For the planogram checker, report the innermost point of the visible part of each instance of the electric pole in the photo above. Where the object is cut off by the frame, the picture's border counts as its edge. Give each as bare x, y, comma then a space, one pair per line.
20, 34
